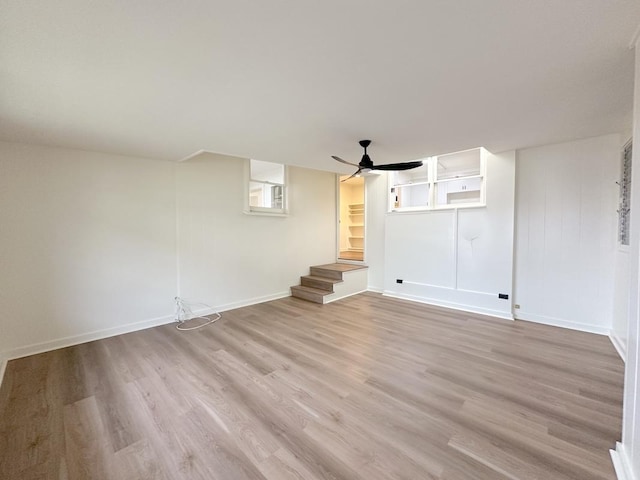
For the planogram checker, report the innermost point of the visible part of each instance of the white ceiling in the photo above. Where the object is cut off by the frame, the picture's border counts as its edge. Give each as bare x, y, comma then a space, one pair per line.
296, 81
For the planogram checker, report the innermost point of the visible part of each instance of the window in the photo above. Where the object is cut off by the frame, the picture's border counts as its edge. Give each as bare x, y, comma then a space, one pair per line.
446, 181
267, 187
624, 208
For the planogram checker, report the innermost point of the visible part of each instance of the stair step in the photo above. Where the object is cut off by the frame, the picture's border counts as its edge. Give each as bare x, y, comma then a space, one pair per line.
323, 283
311, 294
333, 270
319, 286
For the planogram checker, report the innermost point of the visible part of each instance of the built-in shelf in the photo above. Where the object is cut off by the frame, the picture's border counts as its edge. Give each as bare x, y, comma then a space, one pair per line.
352, 223
356, 224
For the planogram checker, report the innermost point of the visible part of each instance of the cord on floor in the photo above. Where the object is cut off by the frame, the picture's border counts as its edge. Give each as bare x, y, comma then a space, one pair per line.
184, 313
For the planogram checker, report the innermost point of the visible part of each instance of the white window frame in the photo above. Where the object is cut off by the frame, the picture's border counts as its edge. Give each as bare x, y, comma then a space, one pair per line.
267, 211
433, 182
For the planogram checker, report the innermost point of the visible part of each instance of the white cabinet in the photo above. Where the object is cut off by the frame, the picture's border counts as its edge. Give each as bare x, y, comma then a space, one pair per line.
459, 191
446, 181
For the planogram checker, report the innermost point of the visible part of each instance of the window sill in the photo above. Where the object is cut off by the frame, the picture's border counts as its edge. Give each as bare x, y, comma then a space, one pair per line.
266, 214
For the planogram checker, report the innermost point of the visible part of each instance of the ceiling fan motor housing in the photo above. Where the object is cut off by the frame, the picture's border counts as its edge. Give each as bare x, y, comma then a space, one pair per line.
365, 162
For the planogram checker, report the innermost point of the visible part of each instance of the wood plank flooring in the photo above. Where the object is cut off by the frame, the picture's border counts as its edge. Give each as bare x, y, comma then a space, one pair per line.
367, 387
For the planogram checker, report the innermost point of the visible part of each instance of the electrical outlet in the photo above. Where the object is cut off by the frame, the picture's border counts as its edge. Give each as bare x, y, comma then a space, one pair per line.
399, 280
516, 306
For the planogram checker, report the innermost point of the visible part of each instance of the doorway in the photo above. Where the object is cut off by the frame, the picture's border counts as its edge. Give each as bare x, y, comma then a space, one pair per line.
351, 231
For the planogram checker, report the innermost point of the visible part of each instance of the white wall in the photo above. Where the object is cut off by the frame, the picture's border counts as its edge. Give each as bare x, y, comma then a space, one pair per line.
460, 258
376, 201
87, 246
566, 233
626, 457
228, 258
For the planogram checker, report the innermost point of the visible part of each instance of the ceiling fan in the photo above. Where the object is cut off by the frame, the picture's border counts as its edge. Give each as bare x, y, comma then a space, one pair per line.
366, 165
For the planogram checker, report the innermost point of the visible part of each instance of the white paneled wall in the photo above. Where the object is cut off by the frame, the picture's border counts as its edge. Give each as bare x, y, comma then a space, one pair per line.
566, 233
420, 249
459, 258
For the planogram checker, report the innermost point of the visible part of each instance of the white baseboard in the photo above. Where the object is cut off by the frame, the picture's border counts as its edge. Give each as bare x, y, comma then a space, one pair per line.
330, 299
621, 463
120, 330
241, 303
454, 306
3, 367
374, 289
64, 342
353, 282
619, 345
41, 347
204, 311
559, 322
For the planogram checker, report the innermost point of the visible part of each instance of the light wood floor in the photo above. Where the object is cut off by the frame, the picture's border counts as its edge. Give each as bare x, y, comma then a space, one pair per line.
363, 388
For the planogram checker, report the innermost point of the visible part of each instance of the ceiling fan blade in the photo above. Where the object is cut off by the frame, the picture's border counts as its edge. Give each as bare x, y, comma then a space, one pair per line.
338, 159
398, 166
356, 173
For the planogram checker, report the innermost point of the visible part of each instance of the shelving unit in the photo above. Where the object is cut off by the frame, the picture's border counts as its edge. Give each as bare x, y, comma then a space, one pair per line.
356, 227
454, 180
351, 241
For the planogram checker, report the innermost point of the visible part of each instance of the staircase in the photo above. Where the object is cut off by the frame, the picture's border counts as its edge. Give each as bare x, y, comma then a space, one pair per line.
327, 283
